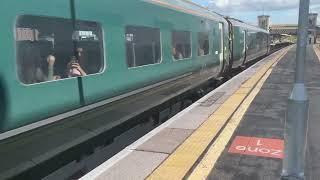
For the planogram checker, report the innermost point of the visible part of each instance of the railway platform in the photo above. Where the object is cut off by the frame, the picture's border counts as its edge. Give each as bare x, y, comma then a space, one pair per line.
234, 132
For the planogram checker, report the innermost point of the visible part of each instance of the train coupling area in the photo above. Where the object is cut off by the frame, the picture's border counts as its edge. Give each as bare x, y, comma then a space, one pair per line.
234, 132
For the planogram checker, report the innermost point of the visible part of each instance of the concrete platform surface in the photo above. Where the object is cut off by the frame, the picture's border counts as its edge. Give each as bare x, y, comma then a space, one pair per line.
265, 118
175, 149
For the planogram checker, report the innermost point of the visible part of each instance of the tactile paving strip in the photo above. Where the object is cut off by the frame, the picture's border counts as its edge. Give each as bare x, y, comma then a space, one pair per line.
212, 99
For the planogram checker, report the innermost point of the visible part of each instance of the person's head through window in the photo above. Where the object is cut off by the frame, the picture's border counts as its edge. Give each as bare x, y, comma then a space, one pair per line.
79, 53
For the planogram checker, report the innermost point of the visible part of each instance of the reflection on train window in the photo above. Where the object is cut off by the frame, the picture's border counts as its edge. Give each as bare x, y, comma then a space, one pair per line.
49, 48
143, 46
203, 43
181, 45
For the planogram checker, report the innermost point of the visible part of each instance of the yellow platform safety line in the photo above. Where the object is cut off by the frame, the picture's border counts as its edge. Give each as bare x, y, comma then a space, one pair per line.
243, 90
317, 51
205, 166
180, 162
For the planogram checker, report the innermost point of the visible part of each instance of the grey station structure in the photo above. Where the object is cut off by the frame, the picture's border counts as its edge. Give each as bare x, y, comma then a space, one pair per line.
283, 31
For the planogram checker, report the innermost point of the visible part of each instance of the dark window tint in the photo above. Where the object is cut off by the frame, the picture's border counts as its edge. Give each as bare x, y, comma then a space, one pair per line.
181, 44
50, 48
203, 43
143, 46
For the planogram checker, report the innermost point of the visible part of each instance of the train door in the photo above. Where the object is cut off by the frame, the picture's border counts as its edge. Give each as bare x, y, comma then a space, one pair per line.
34, 55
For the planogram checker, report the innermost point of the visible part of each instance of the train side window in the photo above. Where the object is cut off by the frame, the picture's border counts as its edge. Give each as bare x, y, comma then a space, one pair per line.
49, 48
88, 38
181, 45
203, 44
143, 46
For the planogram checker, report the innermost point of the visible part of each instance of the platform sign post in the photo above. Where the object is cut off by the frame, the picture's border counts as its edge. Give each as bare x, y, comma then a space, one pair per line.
298, 105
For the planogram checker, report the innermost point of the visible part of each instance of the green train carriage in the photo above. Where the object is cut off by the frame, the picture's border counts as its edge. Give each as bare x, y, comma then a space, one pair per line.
112, 36
248, 42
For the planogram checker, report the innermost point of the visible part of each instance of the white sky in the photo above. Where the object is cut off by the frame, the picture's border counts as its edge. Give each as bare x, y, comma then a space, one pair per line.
281, 11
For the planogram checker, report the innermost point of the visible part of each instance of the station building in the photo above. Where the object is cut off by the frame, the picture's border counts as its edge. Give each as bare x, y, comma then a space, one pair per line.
288, 32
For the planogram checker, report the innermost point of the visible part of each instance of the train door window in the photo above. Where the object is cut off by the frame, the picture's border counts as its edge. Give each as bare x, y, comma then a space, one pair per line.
243, 41
181, 45
48, 48
221, 41
203, 44
143, 46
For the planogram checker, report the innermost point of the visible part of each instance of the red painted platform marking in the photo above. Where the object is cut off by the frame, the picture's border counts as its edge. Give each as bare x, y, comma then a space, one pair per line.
257, 147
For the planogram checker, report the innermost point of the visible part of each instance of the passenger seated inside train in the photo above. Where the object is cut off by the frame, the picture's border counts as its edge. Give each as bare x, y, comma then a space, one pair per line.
44, 51
176, 53
206, 47
200, 51
33, 67
76, 66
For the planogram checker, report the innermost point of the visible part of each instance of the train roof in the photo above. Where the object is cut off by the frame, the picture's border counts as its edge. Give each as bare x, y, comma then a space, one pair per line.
188, 7
236, 22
